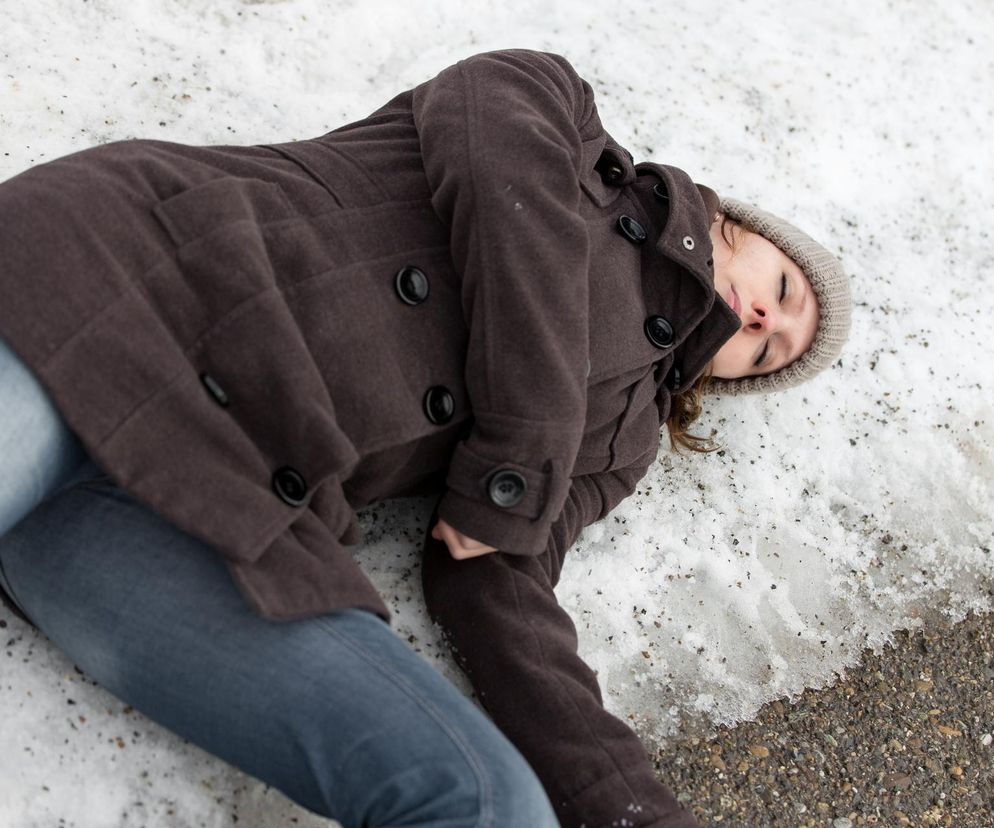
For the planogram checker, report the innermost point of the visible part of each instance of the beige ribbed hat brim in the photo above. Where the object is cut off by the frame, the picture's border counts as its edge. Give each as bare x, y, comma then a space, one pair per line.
831, 287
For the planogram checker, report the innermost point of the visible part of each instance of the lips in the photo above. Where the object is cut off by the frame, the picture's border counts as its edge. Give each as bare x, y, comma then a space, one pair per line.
733, 301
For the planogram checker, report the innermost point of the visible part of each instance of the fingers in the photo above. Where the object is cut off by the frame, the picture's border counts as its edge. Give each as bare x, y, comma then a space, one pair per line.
462, 553
460, 546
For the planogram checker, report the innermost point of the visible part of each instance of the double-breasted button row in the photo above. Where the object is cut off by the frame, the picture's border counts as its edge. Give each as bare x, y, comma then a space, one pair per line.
505, 487
287, 482
411, 284
658, 329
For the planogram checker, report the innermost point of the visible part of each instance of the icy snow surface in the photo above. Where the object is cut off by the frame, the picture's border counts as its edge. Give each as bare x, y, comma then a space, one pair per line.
838, 512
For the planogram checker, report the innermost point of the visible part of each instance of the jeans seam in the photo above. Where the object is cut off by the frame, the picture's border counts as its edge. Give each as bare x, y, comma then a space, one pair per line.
486, 795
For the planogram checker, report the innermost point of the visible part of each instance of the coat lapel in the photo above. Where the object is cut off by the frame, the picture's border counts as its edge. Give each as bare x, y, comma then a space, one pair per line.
702, 320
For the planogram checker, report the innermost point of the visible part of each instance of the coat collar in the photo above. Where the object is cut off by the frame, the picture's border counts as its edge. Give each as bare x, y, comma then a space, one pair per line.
680, 225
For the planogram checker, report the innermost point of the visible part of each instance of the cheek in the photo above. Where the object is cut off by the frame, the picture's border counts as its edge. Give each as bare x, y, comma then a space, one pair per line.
722, 360
731, 362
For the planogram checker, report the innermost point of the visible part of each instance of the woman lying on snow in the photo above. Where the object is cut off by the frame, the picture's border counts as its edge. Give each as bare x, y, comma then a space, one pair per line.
217, 354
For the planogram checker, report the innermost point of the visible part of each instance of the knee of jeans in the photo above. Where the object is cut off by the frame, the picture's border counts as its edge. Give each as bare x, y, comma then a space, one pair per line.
460, 791
416, 772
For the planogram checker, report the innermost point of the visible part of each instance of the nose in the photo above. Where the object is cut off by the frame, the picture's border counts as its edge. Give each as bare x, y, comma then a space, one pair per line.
760, 317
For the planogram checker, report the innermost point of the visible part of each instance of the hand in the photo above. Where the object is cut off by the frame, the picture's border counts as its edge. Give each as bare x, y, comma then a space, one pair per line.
460, 546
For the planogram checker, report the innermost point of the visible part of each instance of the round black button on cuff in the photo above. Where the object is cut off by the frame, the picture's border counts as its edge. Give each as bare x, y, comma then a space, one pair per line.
289, 484
506, 488
631, 230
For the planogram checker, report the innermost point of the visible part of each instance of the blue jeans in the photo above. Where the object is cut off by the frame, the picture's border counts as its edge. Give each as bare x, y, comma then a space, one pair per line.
336, 711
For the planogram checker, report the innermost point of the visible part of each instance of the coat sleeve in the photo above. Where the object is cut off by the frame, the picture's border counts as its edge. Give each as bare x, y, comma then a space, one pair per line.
501, 135
518, 647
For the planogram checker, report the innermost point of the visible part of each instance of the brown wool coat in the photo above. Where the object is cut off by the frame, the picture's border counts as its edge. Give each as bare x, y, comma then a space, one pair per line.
473, 292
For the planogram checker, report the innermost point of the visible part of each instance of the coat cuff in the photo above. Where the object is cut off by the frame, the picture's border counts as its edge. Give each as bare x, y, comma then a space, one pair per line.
508, 480
477, 488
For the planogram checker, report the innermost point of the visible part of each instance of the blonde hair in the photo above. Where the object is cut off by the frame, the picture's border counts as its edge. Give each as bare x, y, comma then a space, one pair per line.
686, 407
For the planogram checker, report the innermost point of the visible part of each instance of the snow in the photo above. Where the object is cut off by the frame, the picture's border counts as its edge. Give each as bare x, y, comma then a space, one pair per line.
837, 513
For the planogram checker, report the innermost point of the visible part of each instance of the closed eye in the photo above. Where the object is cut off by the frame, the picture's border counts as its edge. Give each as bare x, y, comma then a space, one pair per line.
766, 349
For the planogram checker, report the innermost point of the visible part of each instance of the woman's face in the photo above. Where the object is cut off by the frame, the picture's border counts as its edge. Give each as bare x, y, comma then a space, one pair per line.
777, 327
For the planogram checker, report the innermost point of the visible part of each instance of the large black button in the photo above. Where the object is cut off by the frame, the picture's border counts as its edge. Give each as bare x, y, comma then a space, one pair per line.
611, 171
216, 391
672, 381
659, 330
659, 191
439, 404
289, 485
631, 230
411, 284
506, 487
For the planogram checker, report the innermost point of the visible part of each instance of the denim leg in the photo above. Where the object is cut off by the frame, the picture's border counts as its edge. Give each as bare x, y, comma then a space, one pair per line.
38, 452
336, 711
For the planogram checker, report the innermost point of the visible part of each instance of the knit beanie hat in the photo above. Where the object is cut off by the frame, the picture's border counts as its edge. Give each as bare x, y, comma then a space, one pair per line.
831, 287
